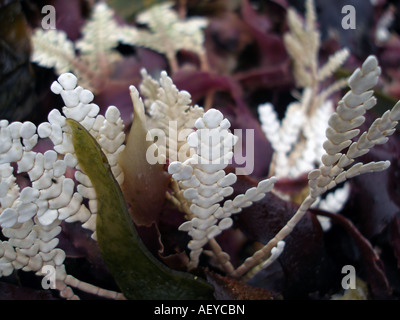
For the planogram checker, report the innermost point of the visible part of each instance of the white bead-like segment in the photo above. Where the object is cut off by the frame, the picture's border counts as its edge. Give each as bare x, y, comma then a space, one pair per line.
30, 218
343, 127
205, 183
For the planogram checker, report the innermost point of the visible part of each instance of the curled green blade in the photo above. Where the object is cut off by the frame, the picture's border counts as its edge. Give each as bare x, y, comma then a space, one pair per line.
138, 274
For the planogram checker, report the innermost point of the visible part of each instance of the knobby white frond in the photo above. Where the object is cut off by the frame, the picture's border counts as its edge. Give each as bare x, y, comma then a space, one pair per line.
298, 145
204, 184
302, 43
170, 111
30, 217
290, 160
52, 49
166, 33
342, 129
313, 133
97, 53
282, 135
338, 166
335, 61
93, 56
100, 37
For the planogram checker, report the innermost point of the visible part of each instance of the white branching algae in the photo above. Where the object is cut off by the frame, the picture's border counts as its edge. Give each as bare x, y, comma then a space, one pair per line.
203, 184
96, 51
170, 115
167, 33
31, 214
337, 167
97, 54
297, 139
30, 218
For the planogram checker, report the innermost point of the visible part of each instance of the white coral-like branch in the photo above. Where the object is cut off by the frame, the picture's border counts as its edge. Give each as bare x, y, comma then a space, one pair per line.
167, 33
100, 37
302, 43
108, 131
169, 110
282, 135
30, 218
52, 49
335, 61
285, 136
297, 140
343, 127
97, 53
204, 182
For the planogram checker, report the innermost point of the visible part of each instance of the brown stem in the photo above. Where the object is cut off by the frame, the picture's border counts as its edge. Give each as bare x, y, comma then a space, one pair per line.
182, 9
173, 62
220, 256
208, 100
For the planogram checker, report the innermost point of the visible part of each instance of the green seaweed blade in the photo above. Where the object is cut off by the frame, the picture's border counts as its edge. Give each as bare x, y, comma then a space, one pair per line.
137, 272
